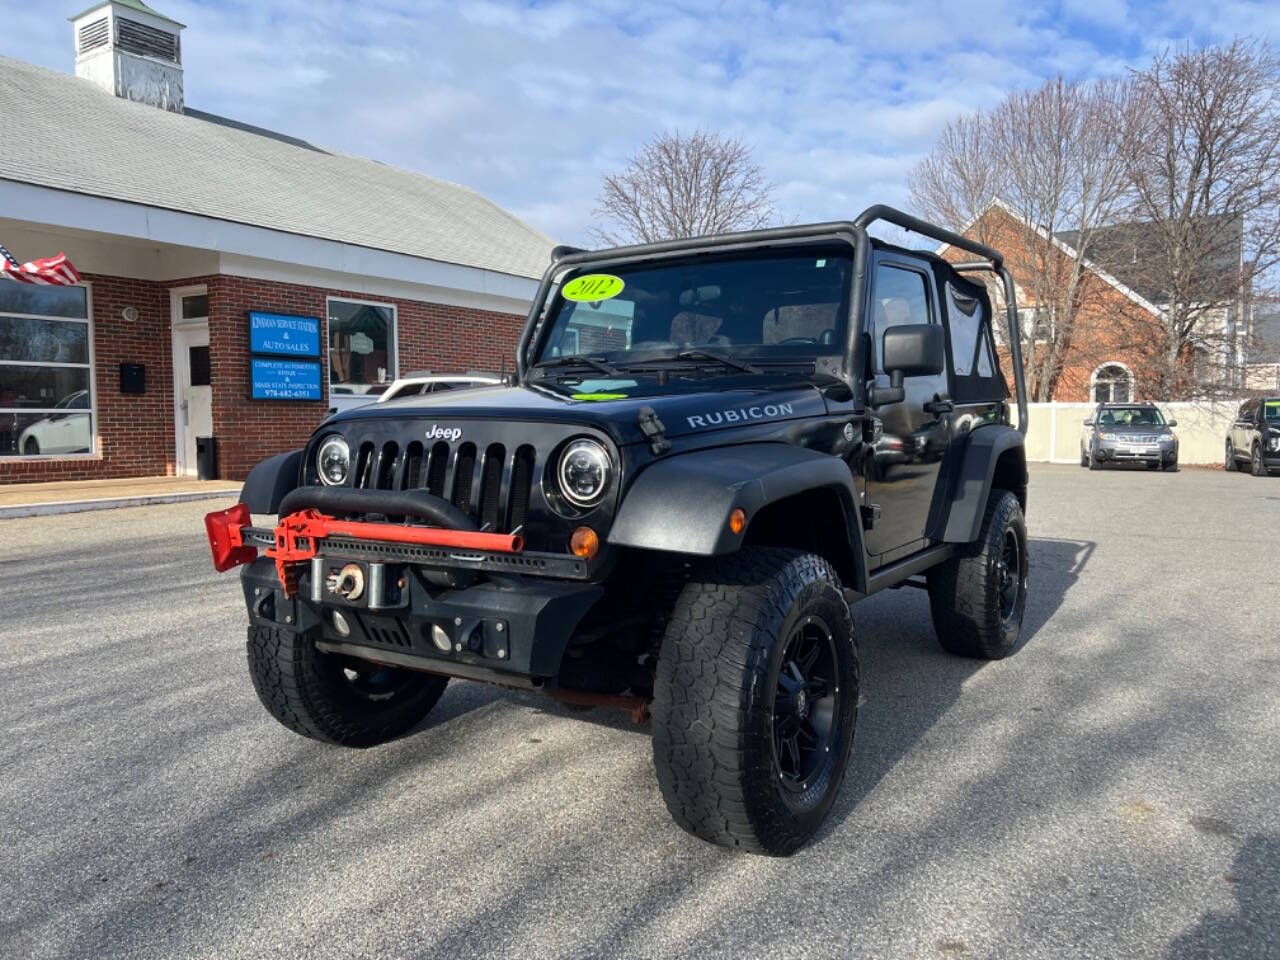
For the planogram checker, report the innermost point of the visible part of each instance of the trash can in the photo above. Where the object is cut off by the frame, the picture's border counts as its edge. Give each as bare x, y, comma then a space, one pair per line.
206, 458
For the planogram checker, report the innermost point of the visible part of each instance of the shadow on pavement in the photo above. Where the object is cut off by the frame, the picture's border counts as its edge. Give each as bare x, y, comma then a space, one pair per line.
1250, 931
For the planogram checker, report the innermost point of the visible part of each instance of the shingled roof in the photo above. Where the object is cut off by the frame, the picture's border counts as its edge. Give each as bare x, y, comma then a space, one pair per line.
62, 132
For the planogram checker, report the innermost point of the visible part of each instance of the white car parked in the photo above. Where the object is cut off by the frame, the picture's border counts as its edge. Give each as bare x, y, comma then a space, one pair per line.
60, 432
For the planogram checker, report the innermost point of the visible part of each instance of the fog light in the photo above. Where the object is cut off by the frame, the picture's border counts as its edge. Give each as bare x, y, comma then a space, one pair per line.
738, 520
440, 638
340, 624
584, 543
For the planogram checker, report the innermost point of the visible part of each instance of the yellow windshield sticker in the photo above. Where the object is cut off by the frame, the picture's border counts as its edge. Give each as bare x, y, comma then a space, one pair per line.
592, 288
599, 396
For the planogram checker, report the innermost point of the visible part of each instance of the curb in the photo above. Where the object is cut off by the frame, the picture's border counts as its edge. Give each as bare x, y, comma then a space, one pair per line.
107, 503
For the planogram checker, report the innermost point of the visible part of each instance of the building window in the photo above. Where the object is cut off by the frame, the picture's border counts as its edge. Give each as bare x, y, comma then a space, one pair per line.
1036, 324
1112, 383
46, 378
362, 345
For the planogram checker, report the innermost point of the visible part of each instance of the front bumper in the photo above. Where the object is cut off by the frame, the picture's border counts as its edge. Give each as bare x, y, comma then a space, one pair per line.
509, 630
1118, 451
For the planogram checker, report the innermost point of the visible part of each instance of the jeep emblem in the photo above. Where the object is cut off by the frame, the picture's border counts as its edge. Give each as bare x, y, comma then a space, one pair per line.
438, 432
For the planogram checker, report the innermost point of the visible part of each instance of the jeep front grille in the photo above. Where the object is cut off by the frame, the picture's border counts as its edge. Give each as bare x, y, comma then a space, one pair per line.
489, 484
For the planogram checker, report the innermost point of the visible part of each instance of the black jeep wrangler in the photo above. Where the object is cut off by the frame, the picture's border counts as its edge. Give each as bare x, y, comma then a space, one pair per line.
710, 449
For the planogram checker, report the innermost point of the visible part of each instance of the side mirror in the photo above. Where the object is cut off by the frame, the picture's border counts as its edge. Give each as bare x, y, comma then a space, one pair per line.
908, 350
1089, 422
1172, 423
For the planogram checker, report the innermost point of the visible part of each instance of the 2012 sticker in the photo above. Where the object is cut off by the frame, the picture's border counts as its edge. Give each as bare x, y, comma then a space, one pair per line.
592, 287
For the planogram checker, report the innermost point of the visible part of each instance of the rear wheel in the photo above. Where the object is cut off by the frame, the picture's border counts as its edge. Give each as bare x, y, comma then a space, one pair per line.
978, 597
31, 447
755, 700
1229, 462
336, 699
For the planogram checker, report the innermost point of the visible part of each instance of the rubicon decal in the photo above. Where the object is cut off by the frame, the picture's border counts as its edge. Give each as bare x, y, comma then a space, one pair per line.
768, 411
438, 432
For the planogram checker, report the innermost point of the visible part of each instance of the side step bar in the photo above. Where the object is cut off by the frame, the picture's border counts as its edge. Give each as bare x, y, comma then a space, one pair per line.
899, 570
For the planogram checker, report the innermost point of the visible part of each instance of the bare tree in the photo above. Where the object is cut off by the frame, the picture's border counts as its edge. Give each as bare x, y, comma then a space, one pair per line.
1043, 161
956, 183
684, 186
1202, 149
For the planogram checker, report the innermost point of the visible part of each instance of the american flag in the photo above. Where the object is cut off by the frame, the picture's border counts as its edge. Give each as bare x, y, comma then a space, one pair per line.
54, 271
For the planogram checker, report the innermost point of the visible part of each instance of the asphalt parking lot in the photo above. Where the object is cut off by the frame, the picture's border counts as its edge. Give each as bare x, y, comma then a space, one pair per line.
1112, 790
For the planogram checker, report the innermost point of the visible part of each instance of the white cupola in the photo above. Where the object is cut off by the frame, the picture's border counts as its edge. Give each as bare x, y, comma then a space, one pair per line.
130, 50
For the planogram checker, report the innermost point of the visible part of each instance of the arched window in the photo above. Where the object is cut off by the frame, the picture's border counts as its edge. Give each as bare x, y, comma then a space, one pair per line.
1112, 383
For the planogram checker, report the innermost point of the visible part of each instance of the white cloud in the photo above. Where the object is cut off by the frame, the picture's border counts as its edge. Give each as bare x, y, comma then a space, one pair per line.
528, 103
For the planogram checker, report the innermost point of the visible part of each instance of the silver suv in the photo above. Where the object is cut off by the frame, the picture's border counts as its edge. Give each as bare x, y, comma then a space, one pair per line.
1129, 433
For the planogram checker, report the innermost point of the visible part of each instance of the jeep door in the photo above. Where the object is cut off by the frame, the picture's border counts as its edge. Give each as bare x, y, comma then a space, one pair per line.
902, 467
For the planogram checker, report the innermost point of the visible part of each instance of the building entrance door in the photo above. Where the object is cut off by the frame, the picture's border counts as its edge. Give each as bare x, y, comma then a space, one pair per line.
193, 394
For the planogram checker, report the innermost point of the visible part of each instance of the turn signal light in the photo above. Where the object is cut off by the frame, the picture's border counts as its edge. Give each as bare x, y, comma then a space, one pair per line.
738, 520
584, 543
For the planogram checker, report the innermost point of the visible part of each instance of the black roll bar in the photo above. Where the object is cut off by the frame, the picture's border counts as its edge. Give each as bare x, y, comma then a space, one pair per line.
565, 257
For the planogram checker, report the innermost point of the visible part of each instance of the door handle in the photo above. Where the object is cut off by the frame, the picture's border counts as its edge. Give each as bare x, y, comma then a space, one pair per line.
939, 405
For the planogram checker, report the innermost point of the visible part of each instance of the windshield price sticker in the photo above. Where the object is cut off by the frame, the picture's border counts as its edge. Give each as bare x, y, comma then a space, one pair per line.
592, 288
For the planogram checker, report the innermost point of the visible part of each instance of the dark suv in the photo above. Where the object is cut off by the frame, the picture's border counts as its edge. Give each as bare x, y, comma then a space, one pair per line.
711, 448
1129, 433
1255, 437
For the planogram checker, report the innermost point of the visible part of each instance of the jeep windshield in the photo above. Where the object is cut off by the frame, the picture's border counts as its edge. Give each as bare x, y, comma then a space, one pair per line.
725, 315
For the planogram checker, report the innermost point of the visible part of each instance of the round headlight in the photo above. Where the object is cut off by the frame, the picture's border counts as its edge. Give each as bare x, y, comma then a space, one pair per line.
333, 462
583, 472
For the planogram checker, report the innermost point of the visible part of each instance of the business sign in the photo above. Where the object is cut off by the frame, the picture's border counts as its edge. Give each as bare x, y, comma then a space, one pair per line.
278, 379
284, 335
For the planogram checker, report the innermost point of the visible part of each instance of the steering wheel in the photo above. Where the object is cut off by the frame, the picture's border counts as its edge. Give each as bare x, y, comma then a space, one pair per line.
798, 340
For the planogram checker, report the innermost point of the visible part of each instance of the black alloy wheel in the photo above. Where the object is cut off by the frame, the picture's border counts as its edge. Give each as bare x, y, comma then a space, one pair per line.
1009, 572
805, 705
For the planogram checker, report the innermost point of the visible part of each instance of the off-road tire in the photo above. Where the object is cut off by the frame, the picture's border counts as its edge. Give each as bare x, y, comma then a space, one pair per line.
309, 692
716, 690
1256, 465
965, 591
1229, 462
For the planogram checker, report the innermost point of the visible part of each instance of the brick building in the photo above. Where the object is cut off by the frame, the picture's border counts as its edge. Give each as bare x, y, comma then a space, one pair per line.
1114, 349
183, 224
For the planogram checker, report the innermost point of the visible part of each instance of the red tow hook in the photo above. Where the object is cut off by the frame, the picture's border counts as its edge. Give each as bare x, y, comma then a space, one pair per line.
297, 538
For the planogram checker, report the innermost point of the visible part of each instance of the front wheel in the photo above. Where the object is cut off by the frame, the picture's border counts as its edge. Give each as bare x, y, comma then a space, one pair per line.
1256, 466
336, 699
1229, 463
979, 595
755, 700
1093, 460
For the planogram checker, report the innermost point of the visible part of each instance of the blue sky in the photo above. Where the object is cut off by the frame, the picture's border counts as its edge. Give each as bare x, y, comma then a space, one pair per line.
530, 102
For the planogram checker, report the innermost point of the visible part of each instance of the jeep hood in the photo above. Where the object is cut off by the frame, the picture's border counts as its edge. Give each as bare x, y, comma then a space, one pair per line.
695, 411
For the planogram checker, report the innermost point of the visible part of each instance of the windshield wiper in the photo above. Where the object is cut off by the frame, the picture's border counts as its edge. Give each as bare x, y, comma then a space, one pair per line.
715, 357
577, 360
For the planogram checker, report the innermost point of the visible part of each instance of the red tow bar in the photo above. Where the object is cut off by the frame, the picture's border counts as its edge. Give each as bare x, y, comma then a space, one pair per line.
297, 538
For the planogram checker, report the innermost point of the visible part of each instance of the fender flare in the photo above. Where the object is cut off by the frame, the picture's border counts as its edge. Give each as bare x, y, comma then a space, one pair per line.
970, 490
270, 480
682, 504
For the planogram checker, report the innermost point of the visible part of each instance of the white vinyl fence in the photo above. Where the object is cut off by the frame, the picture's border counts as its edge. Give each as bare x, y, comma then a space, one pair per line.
1056, 429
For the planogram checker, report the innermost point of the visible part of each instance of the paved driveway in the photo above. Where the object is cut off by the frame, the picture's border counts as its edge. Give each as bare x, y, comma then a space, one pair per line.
1109, 791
